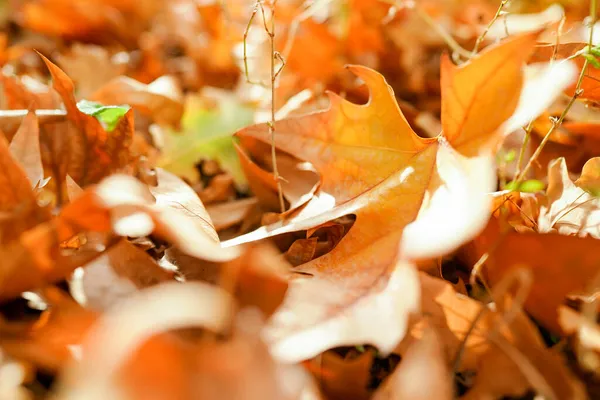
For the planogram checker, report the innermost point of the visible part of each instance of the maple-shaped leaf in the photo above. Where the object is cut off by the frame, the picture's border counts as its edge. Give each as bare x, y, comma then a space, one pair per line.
374, 166
94, 152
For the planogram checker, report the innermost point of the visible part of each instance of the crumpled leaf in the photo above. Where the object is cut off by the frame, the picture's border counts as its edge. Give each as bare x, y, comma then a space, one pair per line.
377, 168
125, 206
119, 272
570, 210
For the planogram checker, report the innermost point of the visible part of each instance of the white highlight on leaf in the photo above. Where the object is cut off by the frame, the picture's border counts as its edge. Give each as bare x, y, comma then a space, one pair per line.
458, 209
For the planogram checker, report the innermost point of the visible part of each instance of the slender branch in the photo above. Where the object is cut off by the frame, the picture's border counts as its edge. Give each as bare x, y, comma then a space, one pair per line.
578, 92
271, 124
481, 37
274, 55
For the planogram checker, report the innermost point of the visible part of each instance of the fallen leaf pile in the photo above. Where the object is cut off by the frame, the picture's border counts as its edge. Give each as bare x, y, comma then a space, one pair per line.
357, 199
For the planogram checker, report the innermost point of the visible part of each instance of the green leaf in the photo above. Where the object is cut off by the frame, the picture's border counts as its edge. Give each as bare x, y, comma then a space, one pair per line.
530, 186
207, 132
594, 50
592, 60
109, 116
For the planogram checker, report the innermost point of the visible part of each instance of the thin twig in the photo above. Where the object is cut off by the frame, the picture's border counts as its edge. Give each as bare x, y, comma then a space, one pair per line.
555, 124
271, 124
578, 92
274, 55
481, 37
528, 130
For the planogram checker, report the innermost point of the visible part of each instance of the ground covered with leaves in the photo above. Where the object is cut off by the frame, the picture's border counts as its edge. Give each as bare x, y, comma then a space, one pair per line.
326, 199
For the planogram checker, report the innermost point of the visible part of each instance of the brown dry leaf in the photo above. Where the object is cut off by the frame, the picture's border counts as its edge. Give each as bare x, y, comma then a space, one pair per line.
423, 373
90, 67
560, 265
53, 339
120, 271
342, 378
299, 181
370, 161
518, 360
451, 314
35, 260
160, 100
125, 206
258, 278
570, 210
226, 215
25, 149
111, 346
95, 153
19, 210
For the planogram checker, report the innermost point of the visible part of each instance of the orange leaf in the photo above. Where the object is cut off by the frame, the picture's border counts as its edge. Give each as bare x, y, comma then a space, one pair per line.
25, 148
479, 96
19, 210
374, 166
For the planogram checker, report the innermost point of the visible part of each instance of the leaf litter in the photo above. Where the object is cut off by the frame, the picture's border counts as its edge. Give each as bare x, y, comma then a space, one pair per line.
299, 200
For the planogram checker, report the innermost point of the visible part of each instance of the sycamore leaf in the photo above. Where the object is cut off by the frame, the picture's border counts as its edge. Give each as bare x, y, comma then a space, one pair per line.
374, 166
25, 149
94, 152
